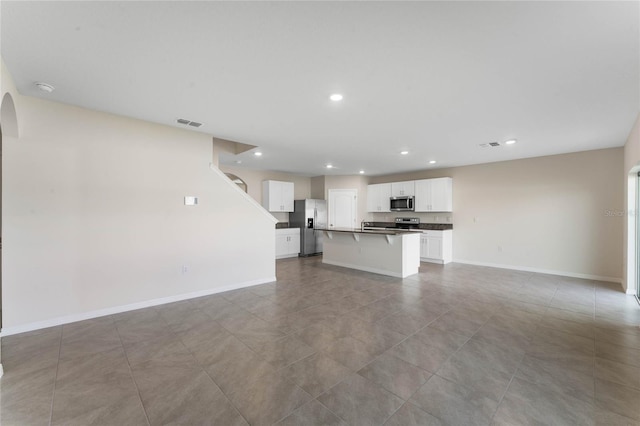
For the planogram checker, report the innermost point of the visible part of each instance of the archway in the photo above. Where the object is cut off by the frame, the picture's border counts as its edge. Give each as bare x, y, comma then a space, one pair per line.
235, 179
8, 128
8, 117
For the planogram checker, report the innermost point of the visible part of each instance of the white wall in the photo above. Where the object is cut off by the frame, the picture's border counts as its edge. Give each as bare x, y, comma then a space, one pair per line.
254, 179
94, 217
545, 213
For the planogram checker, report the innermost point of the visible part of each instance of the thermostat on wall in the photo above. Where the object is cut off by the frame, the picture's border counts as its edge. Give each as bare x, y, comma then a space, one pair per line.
190, 201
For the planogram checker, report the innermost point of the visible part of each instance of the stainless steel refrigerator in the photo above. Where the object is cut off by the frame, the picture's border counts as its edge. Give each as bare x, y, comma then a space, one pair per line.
309, 215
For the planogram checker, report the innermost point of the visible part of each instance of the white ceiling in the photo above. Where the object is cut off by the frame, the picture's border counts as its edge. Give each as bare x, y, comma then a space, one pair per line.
434, 78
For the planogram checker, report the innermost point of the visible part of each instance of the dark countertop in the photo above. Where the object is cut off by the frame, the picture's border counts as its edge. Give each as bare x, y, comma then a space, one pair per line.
372, 231
422, 226
436, 226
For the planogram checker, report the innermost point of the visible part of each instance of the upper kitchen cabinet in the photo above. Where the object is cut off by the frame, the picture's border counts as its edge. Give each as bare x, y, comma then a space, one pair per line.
378, 197
277, 196
434, 195
403, 189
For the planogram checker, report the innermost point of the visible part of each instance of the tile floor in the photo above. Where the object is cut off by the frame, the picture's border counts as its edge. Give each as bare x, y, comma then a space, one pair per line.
454, 345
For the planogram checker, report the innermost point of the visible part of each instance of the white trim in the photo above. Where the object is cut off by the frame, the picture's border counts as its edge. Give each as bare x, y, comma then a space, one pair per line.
430, 260
543, 271
632, 233
1, 371
369, 269
630, 291
246, 196
8, 331
287, 256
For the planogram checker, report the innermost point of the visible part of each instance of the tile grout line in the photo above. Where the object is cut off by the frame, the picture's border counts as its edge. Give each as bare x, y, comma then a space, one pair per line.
356, 372
55, 381
508, 386
218, 386
397, 344
207, 372
516, 369
133, 379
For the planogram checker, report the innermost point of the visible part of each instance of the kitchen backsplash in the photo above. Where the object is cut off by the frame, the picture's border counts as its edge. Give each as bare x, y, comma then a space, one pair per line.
442, 217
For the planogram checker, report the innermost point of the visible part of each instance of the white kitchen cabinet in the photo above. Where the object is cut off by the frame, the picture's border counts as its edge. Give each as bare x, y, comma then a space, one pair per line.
436, 246
277, 196
287, 242
434, 195
403, 189
378, 196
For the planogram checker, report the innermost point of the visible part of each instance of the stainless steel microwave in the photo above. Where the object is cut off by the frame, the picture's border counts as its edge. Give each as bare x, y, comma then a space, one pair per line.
401, 204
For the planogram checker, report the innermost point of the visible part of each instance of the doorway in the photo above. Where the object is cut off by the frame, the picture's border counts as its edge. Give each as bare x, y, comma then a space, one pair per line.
0, 228
343, 208
637, 223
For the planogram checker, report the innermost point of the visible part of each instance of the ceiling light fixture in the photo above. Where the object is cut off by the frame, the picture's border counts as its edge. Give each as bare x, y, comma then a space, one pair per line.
336, 97
432, 162
510, 142
329, 166
44, 87
361, 172
257, 153
404, 152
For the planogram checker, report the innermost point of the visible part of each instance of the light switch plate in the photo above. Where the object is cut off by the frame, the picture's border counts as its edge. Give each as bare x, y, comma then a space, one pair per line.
190, 201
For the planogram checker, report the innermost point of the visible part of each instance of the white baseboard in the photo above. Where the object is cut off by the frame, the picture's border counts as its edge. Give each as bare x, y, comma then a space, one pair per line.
287, 256
429, 260
543, 271
1, 371
8, 331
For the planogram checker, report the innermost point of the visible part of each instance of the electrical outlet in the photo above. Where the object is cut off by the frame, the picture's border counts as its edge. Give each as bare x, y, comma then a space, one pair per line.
448, 218
185, 269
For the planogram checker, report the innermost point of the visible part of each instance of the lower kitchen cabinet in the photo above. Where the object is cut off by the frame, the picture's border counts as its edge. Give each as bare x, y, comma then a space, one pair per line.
287, 242
436, 246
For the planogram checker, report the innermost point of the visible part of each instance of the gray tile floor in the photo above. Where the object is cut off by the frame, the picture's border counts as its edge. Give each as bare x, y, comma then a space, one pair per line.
455, 345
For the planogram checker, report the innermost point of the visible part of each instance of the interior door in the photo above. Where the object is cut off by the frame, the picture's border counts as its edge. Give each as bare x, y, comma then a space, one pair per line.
343, 208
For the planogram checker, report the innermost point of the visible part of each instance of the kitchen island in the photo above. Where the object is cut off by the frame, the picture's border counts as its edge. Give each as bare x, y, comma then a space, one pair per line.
388, 252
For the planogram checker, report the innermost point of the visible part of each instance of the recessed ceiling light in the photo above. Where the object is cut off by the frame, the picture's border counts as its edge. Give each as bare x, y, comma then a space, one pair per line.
336, 97
44, 87
257, 153
432, 162
238, 161
404, 152
329, 166
361, 172
510, 142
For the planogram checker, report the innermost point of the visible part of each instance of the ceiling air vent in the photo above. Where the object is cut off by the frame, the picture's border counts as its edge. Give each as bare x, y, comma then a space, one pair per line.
490, 144
188, 122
